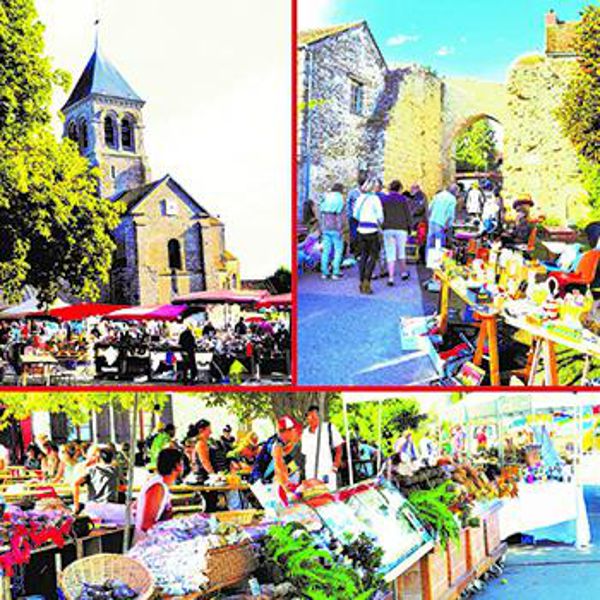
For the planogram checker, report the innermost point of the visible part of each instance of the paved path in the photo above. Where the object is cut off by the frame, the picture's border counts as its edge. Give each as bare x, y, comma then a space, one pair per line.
553, 572
346, 338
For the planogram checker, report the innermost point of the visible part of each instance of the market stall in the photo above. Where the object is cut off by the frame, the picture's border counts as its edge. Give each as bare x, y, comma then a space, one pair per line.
540, 441
510, 302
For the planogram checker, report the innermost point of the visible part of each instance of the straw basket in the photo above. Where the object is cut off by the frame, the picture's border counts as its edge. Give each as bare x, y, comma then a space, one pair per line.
100, 567
229, 565
238, 517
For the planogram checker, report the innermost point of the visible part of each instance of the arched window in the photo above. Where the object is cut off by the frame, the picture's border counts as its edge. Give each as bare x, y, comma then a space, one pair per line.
110, 132
72, 131
83, 135
127, 141
174, 249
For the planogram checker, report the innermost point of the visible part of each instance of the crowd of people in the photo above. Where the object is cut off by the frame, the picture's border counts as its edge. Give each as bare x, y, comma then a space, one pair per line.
372, 225
235, 349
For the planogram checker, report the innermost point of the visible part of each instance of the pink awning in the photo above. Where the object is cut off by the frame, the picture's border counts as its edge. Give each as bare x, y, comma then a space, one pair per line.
78, 312
277, 300
222, 297
165, 312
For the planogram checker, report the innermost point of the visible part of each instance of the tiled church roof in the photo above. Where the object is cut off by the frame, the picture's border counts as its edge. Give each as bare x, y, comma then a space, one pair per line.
311, 36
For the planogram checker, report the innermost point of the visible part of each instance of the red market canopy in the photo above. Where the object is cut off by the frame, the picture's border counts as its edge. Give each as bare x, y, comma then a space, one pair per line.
78, 312
222, 297
165, 312
278, 300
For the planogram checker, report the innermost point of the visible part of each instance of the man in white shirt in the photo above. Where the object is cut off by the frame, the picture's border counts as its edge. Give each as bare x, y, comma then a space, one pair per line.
475, 201
322, 447
4, 457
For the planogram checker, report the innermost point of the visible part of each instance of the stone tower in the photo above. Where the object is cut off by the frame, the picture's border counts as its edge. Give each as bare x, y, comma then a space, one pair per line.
104, 116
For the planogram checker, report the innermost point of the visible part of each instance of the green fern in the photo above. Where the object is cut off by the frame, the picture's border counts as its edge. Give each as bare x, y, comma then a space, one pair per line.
313, 571
432, 509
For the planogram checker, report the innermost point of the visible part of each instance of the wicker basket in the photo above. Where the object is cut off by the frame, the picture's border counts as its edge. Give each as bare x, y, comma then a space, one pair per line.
100, 567
229, 565
238, 517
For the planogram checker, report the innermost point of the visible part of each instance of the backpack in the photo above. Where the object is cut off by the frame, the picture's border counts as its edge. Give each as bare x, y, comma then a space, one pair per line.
263, 460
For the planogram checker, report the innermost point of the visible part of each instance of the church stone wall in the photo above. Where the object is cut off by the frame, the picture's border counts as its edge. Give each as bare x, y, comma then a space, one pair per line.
413, 131
337, 148
158, 285
539, 159
124, 288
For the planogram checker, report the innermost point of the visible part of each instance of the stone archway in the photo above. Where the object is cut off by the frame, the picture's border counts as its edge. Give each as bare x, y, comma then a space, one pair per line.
461, 128
465, 102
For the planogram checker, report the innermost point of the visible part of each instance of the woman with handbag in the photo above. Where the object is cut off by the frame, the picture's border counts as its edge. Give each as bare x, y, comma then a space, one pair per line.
368, 212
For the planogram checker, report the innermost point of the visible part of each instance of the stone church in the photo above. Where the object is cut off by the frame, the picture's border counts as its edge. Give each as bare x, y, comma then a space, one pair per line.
167, 243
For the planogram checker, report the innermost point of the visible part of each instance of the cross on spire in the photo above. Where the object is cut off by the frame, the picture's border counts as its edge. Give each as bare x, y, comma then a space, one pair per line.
97, 25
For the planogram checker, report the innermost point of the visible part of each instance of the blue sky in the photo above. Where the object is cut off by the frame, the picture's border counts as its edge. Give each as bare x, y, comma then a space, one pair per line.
475, 38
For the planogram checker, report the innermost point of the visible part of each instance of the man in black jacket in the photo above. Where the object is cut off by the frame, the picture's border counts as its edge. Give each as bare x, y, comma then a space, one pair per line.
187, 342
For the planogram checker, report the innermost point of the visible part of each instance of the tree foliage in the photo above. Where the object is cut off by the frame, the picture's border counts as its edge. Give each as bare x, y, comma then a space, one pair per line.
259, 405
281, 281
75, 405
54, 229
477, 148
397, 416
579, 112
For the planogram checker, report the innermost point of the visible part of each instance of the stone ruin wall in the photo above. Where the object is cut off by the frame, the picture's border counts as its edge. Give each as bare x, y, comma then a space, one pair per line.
414, 130
337, 136
538, 158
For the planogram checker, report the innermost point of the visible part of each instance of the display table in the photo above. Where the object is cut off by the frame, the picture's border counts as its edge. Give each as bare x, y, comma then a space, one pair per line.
39, 576
45, 362
544, 346
487, 317
542, 506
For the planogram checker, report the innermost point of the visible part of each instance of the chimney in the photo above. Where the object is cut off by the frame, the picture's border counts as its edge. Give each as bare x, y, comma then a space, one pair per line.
551, 18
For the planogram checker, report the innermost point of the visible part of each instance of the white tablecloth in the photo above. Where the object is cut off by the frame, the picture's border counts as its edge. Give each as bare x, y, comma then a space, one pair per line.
545, 504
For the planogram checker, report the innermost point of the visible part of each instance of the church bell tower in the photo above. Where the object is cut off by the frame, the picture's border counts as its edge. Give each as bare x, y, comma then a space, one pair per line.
103, 115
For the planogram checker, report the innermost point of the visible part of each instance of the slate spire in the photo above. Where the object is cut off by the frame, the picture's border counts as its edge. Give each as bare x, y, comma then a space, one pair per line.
101, 77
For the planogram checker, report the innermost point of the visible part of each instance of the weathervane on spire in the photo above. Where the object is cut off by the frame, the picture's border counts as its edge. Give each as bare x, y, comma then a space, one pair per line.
97, 25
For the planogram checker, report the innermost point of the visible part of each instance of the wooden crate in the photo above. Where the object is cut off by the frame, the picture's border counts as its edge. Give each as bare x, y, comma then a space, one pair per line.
409, 585
492, 532
457, 559
434, 574
476, 548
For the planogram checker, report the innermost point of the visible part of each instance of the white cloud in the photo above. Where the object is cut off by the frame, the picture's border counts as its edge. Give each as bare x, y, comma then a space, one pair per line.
216, 79
315, 13
445, 51
401, 39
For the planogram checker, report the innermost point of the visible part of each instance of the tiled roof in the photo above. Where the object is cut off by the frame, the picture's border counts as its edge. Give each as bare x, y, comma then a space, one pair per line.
133, 196
100, 76
311, 36
560, 38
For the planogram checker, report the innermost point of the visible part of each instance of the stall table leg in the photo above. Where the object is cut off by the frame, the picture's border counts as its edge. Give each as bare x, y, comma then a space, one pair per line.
444, 306
488, 331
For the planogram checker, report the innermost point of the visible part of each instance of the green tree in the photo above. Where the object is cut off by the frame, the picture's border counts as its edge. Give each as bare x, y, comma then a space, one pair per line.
281, 281
476, 147
397, 416
54, 229
579, 111
77, 406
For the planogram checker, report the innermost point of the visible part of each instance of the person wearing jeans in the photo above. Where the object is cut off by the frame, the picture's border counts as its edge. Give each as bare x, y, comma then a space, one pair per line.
369, 214
442, 212
331, 210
